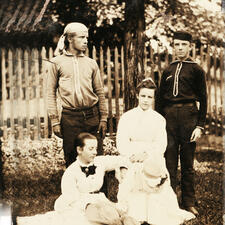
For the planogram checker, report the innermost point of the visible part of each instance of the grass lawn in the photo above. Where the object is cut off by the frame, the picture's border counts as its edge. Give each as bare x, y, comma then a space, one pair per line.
30, 195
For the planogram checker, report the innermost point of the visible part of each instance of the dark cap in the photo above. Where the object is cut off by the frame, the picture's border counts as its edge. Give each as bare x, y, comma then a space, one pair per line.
182, 35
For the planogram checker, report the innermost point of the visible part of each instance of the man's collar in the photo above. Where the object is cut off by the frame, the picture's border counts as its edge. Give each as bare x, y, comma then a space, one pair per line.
187, 60
65, 52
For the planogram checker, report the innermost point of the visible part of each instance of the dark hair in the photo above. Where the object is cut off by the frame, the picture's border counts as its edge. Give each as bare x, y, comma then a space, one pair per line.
66, 42
146, 83
82, 137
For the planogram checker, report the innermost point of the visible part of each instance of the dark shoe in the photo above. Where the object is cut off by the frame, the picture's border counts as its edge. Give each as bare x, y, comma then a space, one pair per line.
193, 210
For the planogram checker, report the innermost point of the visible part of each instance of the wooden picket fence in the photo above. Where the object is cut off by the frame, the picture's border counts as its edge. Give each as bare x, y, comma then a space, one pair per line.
23, 108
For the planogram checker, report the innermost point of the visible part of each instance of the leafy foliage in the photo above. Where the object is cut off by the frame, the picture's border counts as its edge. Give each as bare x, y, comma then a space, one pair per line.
106, 19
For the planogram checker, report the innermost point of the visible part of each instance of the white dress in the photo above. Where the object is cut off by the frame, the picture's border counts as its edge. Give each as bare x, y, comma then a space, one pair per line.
77, 191
157, 206
145, 131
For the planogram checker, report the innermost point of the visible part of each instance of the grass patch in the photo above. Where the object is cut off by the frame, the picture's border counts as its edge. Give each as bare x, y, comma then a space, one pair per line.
33, 191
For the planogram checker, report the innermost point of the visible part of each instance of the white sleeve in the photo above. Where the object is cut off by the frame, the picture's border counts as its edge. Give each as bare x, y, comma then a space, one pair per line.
159, 142
123, 140
110, 163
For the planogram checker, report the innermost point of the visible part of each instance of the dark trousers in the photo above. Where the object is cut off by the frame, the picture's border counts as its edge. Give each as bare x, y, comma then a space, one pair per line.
72, 124
181, 121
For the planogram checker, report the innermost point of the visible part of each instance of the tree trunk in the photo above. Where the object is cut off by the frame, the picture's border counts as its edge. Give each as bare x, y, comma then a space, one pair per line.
134, 49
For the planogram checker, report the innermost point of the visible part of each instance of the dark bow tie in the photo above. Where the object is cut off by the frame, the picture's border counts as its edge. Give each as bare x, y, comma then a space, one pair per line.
88, 170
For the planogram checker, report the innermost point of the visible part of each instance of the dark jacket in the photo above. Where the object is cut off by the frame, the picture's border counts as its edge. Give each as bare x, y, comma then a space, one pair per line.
191, 88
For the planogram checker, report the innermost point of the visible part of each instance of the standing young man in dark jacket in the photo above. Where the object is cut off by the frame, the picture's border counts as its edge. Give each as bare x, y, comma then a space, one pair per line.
77, 80
182, 100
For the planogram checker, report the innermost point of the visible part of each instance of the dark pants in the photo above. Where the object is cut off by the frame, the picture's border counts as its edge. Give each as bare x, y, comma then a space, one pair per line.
72, 124
181, 121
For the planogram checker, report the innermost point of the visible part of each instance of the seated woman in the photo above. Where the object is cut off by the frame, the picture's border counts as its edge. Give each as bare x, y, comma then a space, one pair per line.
81, 201
142, 131
142, 134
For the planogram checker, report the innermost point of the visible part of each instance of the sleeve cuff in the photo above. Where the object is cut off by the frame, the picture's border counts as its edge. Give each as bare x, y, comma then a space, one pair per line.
103, 118
54, 120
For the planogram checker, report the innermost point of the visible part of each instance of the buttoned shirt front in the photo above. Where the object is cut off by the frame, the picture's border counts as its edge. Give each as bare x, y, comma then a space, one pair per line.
183, 82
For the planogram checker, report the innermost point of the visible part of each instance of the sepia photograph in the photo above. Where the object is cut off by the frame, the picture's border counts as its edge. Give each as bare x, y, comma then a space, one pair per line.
112, 112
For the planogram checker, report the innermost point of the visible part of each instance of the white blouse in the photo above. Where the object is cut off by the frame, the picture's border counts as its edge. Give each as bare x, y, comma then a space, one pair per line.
79, 190
141, 131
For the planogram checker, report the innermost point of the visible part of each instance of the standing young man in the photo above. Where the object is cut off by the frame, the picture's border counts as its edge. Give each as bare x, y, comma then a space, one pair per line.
77, 80
182, 86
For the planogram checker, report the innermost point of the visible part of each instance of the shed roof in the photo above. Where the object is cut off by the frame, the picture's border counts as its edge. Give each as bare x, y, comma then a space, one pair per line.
24, 15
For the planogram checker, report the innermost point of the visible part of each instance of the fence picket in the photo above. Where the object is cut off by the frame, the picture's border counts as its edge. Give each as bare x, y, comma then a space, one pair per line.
24, 80
215, 90
109, 90
11, 91
27, 91
117, 85
4, 93
44, 75
122, 72
20, 94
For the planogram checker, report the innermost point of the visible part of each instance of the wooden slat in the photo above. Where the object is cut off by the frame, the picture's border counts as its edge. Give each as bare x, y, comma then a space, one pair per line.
208, 76
11, 90
201, 55
4, 92
221, 74
117, 86
152, 60
37, 94
194, 51
109, 90
102, 64
145, 62
27, 90
123, 74
94, 53
51, 53
222, 89
44, 74
215, 89
20, 96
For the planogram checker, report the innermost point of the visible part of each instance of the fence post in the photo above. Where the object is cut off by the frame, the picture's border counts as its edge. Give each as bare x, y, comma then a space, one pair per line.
11, 91
101, 63
208, 76
122, 73
37, 94
117, 85
27, 90
215, 90
4, 93
20, 94
44, 74
109, 90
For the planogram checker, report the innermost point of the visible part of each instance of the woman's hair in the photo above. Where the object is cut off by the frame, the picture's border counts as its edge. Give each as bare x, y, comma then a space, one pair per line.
82, 137
146, 83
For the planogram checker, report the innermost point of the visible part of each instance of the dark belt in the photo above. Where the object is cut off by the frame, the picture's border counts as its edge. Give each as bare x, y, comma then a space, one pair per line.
87, 112
79, 109
182, 104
